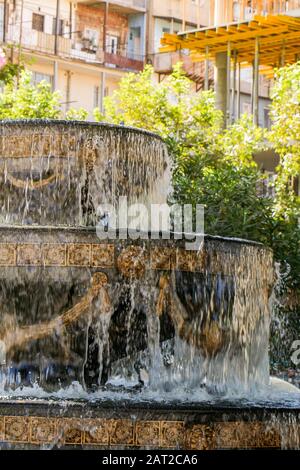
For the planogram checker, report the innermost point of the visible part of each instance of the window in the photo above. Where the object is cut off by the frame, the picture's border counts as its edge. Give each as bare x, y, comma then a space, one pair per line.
112, 44
166, 30
38, 77
38, 22
60, 29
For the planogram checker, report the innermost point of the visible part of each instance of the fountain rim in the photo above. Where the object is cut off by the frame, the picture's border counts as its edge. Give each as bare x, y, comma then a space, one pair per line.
82, 229
74, 123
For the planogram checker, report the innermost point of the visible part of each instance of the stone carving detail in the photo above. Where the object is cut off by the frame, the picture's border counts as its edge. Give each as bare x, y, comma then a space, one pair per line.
128, 433
201, 437
18, 337
54, 254
16, 429
7, 254
173, 434
43, 430
161, 258
71, 431
29, 254
103, 256
57, 254
132, 262
1, 428
123, 433
98, 432
79, 254
245, 435
34, 145
148, 434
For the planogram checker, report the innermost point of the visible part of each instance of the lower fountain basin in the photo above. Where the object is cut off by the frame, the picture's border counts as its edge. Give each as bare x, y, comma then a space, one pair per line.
49, 424
144, 312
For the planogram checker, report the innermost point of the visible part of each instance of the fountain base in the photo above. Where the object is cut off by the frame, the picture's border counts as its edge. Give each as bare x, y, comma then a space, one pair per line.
51, 424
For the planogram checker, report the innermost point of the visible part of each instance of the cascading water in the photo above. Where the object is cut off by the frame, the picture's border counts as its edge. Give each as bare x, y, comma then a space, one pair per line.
118, 319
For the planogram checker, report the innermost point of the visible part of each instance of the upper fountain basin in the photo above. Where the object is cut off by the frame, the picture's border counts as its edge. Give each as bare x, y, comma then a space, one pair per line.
59, 172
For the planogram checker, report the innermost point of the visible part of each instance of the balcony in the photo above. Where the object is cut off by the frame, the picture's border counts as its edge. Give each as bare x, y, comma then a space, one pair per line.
41, 42
81, 49
124, 61
85, 49
163, 64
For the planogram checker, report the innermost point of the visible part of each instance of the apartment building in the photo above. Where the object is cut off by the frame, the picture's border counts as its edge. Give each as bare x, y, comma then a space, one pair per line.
82, 48
174, 16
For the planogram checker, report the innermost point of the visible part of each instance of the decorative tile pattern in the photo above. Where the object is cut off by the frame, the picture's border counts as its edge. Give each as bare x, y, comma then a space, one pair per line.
7, 254
43, 430
122, 433
245, 435
103, 256
54, 254
70, 431
161, 258
125, 432
148, 434
16, 429
79, 254
98, 432
1, 428
131, 261
172, 434
200, 437
29, 254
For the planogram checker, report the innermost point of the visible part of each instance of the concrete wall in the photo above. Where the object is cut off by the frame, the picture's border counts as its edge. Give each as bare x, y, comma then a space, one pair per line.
42, 7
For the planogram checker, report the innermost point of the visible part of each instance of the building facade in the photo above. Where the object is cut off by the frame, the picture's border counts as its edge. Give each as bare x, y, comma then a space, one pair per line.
82, 48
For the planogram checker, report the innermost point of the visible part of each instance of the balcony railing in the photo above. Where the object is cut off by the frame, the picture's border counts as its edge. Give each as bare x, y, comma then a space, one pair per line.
42, 42
123, 61
78, 48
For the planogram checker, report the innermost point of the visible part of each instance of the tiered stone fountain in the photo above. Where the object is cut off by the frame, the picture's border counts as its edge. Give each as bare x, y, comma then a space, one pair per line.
115, 334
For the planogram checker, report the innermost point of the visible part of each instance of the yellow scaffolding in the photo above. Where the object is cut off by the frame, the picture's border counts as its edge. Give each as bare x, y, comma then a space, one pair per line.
264, 43
278, 36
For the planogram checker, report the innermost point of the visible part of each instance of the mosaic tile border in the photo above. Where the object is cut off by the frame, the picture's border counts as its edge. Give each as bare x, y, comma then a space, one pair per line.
130, 258
103, 432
